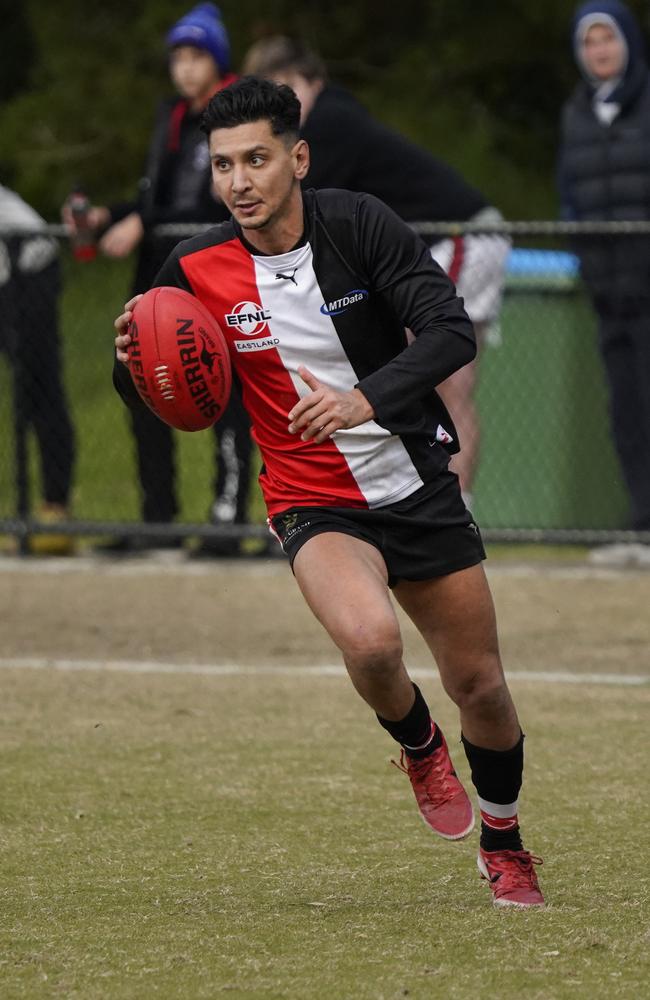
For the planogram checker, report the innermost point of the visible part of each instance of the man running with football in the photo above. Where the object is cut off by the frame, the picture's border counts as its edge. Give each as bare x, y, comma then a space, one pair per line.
356, 447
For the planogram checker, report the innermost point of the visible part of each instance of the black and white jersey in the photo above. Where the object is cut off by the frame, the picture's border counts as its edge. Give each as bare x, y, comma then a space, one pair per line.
338, 303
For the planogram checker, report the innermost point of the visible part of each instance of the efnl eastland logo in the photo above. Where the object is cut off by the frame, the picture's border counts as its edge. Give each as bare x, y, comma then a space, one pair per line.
347, 300
249, 318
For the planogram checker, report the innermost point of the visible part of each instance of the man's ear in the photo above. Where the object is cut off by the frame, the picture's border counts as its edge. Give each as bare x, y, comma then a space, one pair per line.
300, 153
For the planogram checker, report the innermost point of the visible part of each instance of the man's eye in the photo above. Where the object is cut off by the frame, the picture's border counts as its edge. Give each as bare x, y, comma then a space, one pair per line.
256, 161
221, 164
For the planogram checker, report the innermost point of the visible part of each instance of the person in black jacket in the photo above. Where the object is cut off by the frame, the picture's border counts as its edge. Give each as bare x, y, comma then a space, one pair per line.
351, 149
177, 188
356, 443
604, 174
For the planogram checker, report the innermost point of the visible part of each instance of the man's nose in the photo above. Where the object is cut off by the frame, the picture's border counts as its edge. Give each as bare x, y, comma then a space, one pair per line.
240, 179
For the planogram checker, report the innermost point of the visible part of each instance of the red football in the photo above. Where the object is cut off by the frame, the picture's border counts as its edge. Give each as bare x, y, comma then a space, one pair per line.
178, 359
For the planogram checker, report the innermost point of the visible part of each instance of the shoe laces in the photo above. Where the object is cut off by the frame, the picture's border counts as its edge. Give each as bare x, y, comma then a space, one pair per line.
521, 874
434, 766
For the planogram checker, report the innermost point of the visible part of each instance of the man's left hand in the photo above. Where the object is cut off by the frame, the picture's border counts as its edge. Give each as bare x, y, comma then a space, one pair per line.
324, 410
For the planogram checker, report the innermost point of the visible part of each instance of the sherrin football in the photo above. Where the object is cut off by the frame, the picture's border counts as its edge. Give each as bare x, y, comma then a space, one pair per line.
178, 359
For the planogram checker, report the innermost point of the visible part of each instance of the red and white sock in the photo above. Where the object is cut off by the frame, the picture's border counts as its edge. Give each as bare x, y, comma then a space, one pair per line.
497, 816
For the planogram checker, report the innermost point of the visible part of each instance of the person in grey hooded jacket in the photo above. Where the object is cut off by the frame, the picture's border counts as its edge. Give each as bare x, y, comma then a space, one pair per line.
604, 174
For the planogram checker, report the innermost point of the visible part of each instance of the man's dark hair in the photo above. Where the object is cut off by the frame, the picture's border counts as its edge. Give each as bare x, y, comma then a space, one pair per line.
281, 54
252, 100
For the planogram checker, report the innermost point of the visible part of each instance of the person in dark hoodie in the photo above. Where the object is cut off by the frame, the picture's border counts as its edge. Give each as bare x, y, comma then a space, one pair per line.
177, 188
604, 174
352, 150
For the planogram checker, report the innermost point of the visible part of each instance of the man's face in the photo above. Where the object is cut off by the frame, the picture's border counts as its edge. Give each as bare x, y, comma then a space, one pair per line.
194, 72
256, 172
604, 52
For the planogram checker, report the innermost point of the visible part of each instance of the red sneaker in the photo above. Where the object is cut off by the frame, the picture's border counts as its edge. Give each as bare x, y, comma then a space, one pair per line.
512, 877
443, 802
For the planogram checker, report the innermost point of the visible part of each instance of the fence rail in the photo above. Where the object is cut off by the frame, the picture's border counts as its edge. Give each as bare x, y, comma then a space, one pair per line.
548, 470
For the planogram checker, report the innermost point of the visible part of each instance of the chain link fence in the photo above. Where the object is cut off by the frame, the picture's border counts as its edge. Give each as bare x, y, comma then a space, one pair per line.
548, 470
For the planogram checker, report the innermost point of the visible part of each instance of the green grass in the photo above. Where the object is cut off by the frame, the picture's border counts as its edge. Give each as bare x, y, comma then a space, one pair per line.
197, 837
185, 836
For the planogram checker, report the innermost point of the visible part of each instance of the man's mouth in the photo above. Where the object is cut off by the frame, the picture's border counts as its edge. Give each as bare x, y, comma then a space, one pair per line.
247, 207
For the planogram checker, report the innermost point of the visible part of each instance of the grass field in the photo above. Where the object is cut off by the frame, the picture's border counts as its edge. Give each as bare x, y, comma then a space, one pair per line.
173, 832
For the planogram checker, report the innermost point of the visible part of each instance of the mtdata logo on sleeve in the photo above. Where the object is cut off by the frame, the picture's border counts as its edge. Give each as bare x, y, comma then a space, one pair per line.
341, 305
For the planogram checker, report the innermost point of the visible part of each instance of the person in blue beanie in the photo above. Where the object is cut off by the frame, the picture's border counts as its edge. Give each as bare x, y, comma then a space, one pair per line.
177, 188
604, 174
204, 30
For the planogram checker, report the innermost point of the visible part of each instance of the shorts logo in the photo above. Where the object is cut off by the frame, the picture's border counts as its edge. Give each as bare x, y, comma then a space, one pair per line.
291, 526
341, 305
249, 318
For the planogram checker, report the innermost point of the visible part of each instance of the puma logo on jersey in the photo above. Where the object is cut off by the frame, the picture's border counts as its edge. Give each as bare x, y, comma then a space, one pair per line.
287, 277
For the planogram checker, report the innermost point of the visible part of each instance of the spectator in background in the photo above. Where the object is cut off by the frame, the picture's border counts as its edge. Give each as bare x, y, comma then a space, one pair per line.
604, 174
29, 333
177, 188
352, 150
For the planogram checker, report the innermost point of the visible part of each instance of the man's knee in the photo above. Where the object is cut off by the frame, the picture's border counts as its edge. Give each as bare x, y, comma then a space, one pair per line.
483, 692
374, 649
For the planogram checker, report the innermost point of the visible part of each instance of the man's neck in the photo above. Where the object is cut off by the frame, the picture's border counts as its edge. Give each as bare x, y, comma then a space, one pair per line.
280, 236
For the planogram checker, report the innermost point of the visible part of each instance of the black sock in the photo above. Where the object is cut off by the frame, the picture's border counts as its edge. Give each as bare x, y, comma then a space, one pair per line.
500, 840
415, 729
497, 775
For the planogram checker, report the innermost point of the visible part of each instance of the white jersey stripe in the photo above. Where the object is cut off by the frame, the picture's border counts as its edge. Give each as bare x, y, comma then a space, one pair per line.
379, 462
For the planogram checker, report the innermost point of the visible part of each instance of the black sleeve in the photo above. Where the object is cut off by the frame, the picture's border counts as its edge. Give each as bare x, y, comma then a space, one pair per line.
403, 273
171, 273
119, 210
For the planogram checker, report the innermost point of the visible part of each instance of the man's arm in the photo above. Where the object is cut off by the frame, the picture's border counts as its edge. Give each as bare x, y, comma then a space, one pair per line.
419, 292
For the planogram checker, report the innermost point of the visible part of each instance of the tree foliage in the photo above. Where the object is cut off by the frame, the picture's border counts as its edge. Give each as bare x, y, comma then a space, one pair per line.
479, 85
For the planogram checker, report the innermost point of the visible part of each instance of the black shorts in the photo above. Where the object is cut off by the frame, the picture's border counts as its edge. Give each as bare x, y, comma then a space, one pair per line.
430, 533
